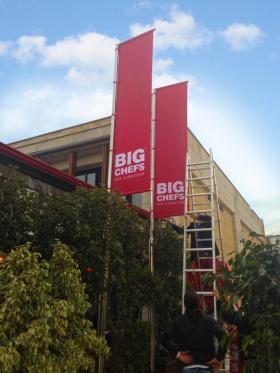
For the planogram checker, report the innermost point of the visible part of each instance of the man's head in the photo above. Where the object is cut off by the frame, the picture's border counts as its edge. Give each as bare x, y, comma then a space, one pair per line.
191, 300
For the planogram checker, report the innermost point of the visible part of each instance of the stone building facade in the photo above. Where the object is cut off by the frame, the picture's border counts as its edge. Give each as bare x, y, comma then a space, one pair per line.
83, 151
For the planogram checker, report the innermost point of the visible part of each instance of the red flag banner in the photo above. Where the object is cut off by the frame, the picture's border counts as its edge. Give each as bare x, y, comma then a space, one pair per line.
170, 150
132, 131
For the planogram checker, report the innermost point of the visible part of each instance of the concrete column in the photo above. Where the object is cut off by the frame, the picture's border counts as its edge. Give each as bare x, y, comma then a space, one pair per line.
72, 163
237, 226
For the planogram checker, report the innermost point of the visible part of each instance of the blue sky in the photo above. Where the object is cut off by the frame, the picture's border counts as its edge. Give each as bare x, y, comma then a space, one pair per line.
56, 70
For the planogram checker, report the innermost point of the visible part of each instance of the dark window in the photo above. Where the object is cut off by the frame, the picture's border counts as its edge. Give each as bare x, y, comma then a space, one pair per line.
91, 176
129, 198
135, 199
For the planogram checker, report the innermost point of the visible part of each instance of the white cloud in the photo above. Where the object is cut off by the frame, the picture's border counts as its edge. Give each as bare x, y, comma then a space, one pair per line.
90, 50
90, 77
162, 64
162, 76
242, 36
4, 47
89, 57
28, 47
180, 32
47, 108
166, 78
85, 50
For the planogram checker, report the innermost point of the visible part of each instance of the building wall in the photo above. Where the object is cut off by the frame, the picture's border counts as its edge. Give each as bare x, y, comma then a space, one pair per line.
86, 146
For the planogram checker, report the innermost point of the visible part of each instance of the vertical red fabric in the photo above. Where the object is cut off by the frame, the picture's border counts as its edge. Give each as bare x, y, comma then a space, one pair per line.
132, 133
170, 150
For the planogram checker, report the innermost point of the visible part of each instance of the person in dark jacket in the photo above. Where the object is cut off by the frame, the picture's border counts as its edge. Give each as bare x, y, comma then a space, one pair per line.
190, 339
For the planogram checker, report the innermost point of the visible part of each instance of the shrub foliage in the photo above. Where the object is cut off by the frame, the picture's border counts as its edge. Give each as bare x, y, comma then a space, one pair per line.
254, 282
42, 314
99, 228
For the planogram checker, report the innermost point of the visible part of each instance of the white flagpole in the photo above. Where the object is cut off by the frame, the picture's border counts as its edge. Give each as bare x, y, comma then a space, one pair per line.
152, 187
151, 241
185, 232
104, 298
186, 205
113, 119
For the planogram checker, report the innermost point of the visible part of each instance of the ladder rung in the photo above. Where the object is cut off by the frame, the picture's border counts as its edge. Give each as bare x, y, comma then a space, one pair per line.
199, 194
198, 212
199, 163
199, 229
199, 178
198, 169
200, 249
200, 270
201, 204
204, 293
203, 186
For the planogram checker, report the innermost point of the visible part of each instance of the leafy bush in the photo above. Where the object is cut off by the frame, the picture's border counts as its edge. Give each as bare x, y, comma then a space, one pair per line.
42, 314
99, 226
254, 282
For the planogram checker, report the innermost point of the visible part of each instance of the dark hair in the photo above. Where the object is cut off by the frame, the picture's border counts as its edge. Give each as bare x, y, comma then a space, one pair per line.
191, 303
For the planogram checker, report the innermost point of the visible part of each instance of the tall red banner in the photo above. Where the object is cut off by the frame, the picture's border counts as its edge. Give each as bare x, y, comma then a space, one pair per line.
170, 150
132, 132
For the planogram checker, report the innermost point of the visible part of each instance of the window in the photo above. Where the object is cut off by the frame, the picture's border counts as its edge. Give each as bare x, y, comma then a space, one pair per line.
91, 176
135, 199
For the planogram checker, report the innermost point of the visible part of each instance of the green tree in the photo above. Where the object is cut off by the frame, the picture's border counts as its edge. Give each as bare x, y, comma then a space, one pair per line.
42, 314
254, 281
16, 204
95, 224
168, 272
